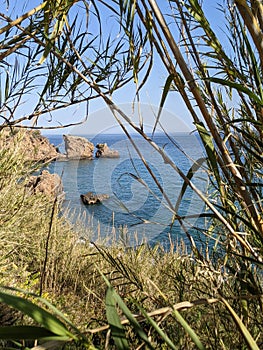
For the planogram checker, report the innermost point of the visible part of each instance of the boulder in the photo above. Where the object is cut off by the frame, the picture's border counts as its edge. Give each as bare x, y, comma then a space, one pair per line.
78, 147
47, 184
91, 198
32, 144
103, 151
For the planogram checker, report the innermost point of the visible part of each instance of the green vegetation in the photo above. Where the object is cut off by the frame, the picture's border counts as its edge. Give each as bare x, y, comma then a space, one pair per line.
94, 296
173, 294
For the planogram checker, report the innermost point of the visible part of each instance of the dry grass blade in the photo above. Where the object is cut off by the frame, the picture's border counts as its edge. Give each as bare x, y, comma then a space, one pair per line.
163, 311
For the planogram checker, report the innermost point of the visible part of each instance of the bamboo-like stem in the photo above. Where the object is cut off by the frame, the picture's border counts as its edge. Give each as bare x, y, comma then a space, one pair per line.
258, 7
252, 25
221, 117
240, 188
22, 18
92, 83
166, 59
195, 90
167, 310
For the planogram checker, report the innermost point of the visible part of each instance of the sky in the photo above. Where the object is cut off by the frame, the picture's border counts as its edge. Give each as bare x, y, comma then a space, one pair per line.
175, 117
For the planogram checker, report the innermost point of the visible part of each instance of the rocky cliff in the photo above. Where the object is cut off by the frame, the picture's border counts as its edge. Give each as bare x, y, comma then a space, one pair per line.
37, 148
32, 144
46, 183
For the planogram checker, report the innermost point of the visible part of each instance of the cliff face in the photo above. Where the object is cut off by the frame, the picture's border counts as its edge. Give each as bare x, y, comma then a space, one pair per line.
33, 145
37, 148
46, 183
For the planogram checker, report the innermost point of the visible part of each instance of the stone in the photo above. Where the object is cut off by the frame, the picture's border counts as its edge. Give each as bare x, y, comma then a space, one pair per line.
34, 146
78, 147
61, 157
103, 151
91, 198
47, 184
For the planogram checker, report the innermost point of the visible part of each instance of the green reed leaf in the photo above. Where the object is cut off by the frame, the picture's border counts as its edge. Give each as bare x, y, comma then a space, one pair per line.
238, 87
7, 86
113, 318
163, 335
166, 89
248, 337
27, 332
210, 149
38, 314
189, 330
134, 323
194, 168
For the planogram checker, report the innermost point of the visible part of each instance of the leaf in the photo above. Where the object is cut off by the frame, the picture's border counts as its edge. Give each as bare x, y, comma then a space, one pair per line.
248, 337
61, 315
116, 327
47, 50
7, 86
137, 327
134, 323
38, 314
238, 87
196, 11
210, 149
164, 336
26, 332
194, 168
188, 330
166, 89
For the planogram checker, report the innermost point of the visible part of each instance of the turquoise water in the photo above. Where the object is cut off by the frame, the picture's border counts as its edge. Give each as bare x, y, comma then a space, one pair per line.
136, 202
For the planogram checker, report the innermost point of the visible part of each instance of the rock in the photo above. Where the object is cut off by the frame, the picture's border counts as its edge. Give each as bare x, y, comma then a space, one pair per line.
33, 145
91, 198
77, 147
62, 157
46, 183
105, 152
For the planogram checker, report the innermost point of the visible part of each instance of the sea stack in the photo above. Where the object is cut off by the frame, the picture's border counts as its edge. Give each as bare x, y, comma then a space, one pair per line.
103, 151
77, 147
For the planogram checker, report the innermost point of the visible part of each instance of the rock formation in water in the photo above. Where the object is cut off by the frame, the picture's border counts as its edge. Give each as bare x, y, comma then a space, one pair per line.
32, 144
91, 198
77, 147
103, 151
46, 183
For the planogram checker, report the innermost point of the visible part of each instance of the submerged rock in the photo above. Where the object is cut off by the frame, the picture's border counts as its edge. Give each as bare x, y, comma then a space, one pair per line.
78, 147
47, 184
103, 151
91, 198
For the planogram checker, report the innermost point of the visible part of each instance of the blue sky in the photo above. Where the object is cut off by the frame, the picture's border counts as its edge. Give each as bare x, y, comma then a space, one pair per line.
175, 116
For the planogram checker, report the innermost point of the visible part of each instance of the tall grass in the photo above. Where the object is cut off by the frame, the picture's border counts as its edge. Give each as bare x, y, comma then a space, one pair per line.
156, 298
165, 295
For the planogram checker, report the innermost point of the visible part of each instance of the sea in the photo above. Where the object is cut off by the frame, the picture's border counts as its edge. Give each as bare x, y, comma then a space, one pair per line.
146, 193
